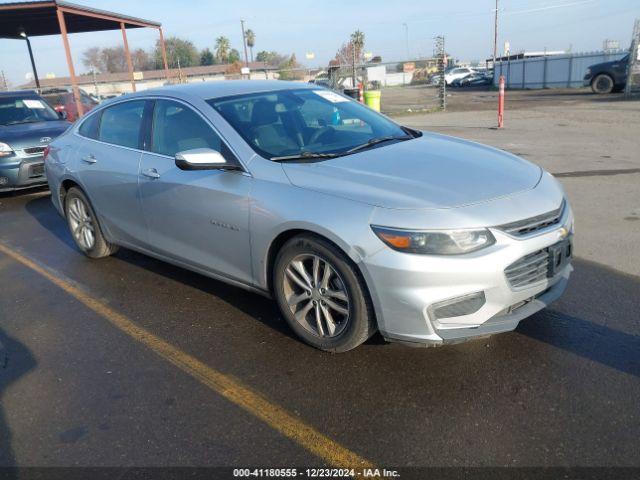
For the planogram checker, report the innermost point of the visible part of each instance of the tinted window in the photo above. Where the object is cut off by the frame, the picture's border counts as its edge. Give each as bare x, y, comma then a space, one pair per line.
89, 127
292, 122
177, 128
87, 99
121, 124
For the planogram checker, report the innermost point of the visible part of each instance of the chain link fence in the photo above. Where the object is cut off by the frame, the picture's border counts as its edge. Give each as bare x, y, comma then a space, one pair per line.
632, 86
405, 86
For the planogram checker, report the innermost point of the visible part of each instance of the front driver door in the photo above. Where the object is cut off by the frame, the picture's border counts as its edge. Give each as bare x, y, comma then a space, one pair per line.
200, 217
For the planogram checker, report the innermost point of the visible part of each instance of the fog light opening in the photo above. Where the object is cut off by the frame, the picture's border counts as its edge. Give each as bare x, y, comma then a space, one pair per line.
4, 180
458, 306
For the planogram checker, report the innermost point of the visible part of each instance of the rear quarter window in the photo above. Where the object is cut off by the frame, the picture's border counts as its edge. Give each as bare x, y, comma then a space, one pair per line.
90, 126
121, 124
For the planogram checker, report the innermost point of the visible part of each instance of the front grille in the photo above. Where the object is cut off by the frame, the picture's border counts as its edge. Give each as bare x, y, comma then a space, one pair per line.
533, 224
33, 150
529, 269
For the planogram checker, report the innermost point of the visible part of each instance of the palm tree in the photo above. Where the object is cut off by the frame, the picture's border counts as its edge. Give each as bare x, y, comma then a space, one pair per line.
357, 39
222, 49
251, 41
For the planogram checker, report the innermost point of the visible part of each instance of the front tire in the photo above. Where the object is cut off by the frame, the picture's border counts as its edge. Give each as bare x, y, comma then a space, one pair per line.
84, 226
602, 84
322, 295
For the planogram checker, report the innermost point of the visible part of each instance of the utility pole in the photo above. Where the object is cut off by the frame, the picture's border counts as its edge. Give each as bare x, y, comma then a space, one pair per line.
495, 36
353, 64
441, 55
406, 38
95, 80
244, 44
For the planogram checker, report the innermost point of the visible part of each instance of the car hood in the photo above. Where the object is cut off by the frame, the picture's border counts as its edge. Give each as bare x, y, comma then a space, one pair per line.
433, 171
29, 134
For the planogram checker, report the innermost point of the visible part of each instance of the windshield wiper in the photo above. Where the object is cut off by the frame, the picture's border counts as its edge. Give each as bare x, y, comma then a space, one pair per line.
20, 122
375, 141
304, 156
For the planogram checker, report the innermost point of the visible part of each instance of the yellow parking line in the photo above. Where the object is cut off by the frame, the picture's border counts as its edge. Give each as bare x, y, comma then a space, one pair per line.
229, 387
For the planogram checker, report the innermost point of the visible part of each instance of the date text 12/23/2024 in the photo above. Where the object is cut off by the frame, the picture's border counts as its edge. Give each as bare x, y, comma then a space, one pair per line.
315, 473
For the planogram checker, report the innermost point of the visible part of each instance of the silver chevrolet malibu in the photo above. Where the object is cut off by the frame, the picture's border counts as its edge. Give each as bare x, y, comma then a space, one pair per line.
350, 221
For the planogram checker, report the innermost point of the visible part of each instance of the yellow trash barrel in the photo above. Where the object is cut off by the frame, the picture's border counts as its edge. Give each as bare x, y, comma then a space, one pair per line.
372, 99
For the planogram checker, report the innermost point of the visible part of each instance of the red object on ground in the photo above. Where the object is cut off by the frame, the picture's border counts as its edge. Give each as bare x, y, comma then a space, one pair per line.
501, 102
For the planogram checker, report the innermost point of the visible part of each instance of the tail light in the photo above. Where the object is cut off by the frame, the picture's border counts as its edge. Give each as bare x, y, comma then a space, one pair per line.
47, 149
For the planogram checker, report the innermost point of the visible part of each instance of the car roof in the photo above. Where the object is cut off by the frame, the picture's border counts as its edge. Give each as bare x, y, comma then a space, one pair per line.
218, 89
18, 93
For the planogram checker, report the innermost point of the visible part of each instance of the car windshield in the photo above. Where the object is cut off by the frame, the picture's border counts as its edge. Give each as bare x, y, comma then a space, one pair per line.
306, 124
15, 110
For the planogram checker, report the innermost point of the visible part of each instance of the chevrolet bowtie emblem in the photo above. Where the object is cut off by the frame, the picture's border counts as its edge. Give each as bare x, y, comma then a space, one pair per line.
563, 232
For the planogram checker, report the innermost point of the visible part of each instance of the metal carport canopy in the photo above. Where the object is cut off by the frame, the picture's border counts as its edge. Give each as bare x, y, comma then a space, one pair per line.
38, 18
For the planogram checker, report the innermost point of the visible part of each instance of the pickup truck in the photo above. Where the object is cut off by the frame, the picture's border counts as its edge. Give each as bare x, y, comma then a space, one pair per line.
607, 77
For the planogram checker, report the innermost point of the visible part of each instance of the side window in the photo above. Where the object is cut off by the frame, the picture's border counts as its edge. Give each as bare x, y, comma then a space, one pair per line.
121, 124
89, 127
177, 128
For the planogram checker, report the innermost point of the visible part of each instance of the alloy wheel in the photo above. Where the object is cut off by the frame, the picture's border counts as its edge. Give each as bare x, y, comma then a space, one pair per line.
316, 295
81, 223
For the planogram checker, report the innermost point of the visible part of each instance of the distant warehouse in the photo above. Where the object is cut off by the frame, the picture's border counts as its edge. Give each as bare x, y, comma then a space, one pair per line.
109, 84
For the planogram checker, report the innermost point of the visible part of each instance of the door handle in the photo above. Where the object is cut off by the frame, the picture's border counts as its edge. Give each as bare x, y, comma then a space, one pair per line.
151, 173
89, 159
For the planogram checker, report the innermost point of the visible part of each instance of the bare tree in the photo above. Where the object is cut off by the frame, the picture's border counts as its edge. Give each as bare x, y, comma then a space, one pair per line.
92, 59
142, 60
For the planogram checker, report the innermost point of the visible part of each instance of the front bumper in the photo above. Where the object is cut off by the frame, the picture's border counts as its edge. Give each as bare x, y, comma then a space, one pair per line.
405, 286
22, 172
586, 81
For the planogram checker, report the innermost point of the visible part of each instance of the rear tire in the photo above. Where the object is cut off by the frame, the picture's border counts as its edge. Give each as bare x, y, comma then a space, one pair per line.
84, 227
602, 84
330, 312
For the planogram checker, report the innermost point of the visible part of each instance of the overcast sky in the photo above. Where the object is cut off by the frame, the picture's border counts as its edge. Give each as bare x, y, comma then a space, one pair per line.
300, 26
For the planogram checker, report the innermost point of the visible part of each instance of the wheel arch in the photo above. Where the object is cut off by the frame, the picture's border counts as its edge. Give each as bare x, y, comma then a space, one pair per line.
66, 185
286, 234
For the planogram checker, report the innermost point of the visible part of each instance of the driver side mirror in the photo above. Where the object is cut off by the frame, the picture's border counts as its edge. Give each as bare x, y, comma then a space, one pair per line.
203, 159
62, 114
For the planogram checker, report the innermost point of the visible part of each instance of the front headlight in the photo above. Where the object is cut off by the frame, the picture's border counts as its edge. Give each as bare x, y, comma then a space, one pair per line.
588, 72
435, 242
5, 150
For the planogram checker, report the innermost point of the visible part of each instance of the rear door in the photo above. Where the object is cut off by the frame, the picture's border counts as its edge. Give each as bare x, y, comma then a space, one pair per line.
200, 217
108, 168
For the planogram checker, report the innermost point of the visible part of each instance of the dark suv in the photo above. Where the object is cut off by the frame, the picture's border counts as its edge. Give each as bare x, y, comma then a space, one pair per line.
27, 125
607, 77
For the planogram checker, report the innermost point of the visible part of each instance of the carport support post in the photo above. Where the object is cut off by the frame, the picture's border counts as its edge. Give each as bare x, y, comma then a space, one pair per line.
127, 54
72, 72
164, 54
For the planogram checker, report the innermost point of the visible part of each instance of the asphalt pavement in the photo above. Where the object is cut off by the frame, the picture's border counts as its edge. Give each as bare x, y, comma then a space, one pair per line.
562, 390
129, 361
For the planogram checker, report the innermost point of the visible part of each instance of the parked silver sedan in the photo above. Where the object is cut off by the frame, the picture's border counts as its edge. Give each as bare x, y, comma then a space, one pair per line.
352, 222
